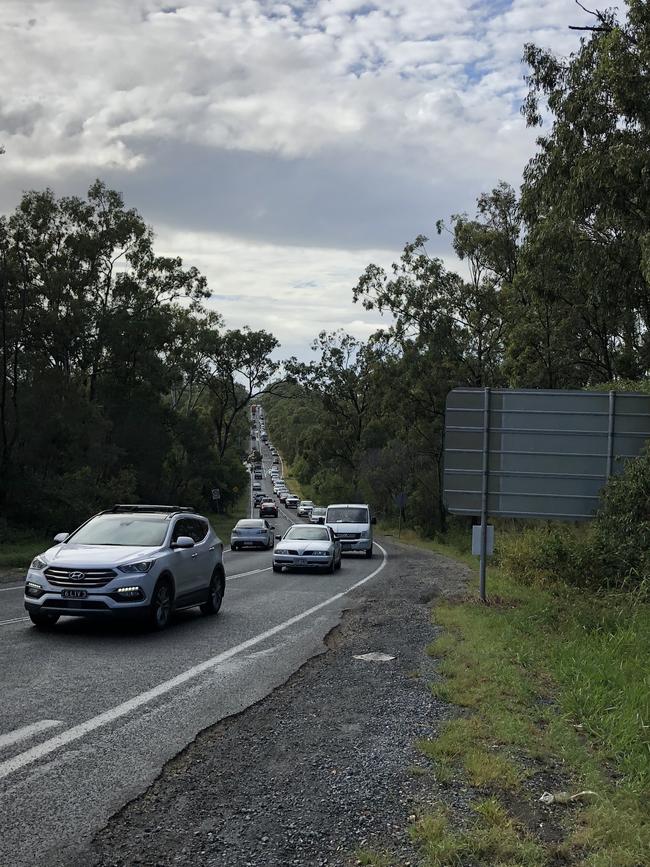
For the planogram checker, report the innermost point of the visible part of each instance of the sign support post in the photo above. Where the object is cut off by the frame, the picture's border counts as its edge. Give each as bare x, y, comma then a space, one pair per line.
484, 493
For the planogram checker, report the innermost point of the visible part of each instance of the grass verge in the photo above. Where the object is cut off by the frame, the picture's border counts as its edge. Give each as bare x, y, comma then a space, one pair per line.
553, 690
223, 522
20, 553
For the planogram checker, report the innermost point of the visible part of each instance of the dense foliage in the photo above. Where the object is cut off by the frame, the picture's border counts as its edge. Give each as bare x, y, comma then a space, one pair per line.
555, 293
116, 384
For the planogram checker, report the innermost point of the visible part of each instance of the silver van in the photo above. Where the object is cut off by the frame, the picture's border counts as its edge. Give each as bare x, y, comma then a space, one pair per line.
352, 526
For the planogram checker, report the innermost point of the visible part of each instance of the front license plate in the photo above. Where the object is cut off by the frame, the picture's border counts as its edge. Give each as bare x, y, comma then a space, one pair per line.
301, 562
74, 594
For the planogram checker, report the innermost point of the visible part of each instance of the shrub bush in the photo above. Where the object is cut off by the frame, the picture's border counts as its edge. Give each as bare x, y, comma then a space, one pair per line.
544, 554
620, 537
610, 553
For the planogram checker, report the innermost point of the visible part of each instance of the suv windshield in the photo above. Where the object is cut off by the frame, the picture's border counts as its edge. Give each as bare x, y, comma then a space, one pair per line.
311, 534
347, 515
146, 530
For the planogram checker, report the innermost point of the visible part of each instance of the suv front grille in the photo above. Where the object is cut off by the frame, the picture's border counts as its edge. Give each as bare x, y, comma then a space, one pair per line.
60, 577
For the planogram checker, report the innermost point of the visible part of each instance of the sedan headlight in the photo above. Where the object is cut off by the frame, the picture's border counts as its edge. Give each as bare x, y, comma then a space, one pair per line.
141, 567
38, 563
281, 551
320, 553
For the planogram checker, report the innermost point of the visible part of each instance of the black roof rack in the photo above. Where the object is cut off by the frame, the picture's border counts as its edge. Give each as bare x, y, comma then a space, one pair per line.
146, 507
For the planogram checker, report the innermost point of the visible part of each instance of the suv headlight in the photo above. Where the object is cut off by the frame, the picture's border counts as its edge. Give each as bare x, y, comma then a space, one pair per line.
141, 567
38, 563
364, 534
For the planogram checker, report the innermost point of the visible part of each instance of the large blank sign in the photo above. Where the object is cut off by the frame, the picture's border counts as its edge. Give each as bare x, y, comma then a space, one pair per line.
539, 454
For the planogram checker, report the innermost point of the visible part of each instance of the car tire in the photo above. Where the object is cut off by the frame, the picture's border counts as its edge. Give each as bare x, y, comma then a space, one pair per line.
369, 553
338, 565
234, 547
161, 605
42, 620
277, 568
216, 590
332, 566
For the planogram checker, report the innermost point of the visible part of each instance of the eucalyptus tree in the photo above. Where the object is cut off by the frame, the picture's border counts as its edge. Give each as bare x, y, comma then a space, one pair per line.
586, 195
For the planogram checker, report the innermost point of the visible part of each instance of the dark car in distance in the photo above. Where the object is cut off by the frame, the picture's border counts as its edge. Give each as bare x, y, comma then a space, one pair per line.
268, 509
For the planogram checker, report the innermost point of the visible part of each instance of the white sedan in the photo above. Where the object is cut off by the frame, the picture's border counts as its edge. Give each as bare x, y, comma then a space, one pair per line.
306, 547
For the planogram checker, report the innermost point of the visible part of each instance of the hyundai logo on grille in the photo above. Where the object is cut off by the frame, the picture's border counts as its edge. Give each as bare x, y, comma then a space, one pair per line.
77, 576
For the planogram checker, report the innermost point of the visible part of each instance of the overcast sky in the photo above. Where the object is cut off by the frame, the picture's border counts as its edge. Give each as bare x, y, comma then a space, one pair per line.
280, 147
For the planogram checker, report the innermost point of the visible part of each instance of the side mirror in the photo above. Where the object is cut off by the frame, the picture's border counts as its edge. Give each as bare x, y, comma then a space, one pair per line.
61, 537
373, 520
278, 538
183, 542
271, 526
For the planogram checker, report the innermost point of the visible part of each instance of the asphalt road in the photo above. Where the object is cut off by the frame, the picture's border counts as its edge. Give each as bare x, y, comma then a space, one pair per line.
91, 711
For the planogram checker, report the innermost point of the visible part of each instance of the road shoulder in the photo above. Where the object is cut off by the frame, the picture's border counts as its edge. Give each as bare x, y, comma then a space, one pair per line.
323, 765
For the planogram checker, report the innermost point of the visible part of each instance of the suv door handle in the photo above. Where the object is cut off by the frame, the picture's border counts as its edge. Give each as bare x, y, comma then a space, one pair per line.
212, 547
194, 556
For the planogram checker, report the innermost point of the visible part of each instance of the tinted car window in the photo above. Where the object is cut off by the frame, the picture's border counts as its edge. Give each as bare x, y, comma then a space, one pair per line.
183, 527
312, 534
199, 529
347, 515
122, 530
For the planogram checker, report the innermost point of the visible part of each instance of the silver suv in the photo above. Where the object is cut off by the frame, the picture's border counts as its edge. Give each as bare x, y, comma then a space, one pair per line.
129, 560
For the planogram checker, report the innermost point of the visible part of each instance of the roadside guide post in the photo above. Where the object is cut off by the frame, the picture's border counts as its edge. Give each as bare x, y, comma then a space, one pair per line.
400, 502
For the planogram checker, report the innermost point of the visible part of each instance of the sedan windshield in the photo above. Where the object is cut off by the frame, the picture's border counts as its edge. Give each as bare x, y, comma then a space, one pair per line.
306, 533
140, 530
347, 515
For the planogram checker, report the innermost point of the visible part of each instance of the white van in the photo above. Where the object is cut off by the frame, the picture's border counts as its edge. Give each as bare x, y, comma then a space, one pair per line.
352, 525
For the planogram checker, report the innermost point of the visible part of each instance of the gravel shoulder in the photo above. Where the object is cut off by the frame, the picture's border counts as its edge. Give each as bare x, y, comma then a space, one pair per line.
324, 765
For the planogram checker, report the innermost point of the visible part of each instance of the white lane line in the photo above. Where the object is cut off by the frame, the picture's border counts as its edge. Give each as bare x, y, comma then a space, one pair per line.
43, 749
25, 732
13, 587
13, 620
252, 572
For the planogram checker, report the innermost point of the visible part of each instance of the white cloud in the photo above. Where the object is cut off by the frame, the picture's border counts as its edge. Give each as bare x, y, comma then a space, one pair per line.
294, 292
379, 116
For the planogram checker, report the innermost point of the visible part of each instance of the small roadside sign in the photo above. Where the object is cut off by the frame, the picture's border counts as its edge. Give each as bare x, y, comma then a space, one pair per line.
216, 494
476, 540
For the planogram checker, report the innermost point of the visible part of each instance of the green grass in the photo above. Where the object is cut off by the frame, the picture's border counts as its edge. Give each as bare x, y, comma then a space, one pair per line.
549, 676
457, 546
223, 523
492, 838
292, 482
19, 554
371, 858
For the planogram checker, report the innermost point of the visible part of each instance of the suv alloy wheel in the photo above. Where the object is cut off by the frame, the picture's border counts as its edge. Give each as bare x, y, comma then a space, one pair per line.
216, 590
160, 610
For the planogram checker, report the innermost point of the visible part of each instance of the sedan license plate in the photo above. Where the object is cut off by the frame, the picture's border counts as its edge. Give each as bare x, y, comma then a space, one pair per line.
301, 562
74, 594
